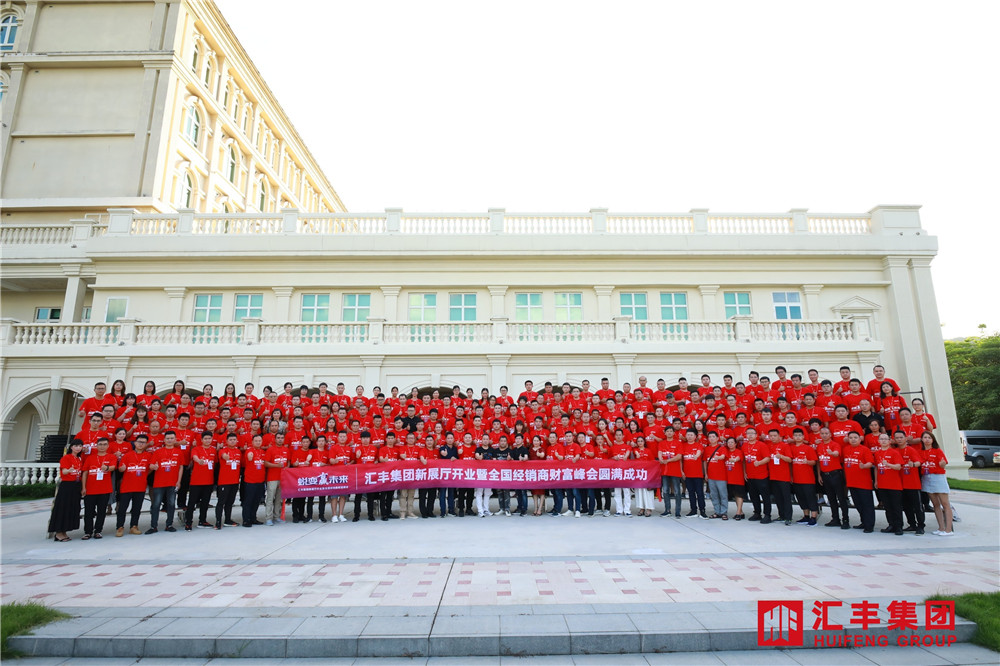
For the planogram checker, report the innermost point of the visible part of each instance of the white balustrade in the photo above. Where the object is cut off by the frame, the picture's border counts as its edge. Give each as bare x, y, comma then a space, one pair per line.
153, 225
650, 224
444, 224
329, 223
65, 334
682, 331
561, 331
802, 331
750, 224
236, 224
28, 234
832, 224
310, 333
548, 224
188, 334
27, 473
437, 333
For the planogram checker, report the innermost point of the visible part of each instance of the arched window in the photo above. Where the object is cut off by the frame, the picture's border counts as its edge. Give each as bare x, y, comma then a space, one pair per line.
262, 197
225, 98
192, 124
187, 191
8, 32
195, 56
231, 162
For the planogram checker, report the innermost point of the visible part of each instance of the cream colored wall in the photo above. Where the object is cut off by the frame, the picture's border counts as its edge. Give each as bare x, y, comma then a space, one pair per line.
93, 26
19, 444
74, 100
83, 167
21, 304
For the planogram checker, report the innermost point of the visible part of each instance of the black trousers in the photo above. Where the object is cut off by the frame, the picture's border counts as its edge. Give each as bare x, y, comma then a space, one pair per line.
865, 504
199, 497
385, 503
182, 492
913, 507
298, 509
782, 491
95, 509
369, 500
224, 504
836, 494
893, 502
425, 500
253, 494
466, 496
760, 494
135, 501
322, 507
696, 493
806, 494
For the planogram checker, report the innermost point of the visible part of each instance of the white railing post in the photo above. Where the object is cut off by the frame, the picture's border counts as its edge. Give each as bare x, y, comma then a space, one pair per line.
800, 221
393, 220
82, 229
7, 330
496, 220
120, 221
499, 329
742, 324
376, 330
127, 330
700, 220
289, 220
599, 220
623, 331
251, 330
185, 220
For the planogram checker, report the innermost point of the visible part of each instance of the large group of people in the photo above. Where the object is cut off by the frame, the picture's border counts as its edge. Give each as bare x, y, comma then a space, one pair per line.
767, 443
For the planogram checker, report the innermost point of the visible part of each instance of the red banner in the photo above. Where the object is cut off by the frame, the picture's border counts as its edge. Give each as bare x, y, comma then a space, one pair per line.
503, 474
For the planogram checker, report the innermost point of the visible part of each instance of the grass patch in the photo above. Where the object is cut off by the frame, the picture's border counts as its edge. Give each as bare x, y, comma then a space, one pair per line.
977, 485
18, 617
983, 608
31, 491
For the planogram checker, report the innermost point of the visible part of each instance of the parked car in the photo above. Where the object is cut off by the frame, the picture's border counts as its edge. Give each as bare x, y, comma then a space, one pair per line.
980, 446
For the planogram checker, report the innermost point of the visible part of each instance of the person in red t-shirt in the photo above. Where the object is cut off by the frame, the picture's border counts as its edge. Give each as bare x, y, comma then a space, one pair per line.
875, 385
65, 516
715, 471
134, 468
275, 459
735, 479
229, 462
780, 472
620, 450
300, 456
831, 477
857, 460
889, 463
694, 473
804, 477
935, 484
167, 463
913, 507
98, 401
756, 456
254, 476
203, 460
96, 488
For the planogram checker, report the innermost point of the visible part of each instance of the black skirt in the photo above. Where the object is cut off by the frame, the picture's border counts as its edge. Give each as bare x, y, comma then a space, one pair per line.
66, 508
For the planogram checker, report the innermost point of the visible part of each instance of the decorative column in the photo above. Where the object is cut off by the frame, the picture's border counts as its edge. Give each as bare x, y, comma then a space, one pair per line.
902, 300
6, 428
283, 301
390, 303
800, 221
708, 311
244, 370
700, 220
498, 314
76, 289
604, 302
747, 362
623, 368
372, 374
176, 295
599, 220
498, 370
811, 292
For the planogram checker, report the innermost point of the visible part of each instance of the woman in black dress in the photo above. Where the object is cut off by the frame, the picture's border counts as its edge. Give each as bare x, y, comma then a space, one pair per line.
66, 508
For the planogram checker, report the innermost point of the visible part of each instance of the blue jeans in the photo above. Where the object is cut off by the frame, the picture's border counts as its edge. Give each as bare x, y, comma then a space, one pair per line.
166, 496
671, 484
503, 497
719, 494
522, 500
447, 496
557, 496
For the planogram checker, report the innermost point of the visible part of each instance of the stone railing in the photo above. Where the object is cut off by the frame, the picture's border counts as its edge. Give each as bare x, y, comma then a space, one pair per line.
26, 473
27, 234
377, 331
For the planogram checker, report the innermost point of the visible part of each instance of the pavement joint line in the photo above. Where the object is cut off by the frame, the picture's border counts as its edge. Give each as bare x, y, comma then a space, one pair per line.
437, 609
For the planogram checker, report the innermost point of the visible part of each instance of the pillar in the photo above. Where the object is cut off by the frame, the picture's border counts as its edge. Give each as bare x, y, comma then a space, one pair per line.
498, 370
372, 373
243, 366
800, 220
599, 220
497, 220
76, 289
6, 429
708, 310
747, 362
390, 303
604, 302
811, 292
282, 305
902, 301
174, 309
623, 368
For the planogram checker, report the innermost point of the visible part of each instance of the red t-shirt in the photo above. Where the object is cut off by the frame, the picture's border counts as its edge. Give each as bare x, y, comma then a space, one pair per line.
72, 463
751, 454
667, 450
692, 461
778, 468
717, 457
828, 462
98, 480
169, 463
802, 471
931, 461
253, 466
203, 474
229, 470
840, 429
853, 456
135, 478
276, 454
910, 474
734, 467
95, 404
888, 479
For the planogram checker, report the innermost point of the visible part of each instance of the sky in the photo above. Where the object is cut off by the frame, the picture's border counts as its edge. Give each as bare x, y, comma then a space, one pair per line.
654, 107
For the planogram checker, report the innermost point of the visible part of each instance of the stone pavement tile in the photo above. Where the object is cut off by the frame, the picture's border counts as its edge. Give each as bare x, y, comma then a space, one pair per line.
658, 623
463, 661
687, 607
253, 648
176, 646
320, 627
533, 625
733, 640
755, 657
43, 647
611, 623
71, 628
505, 609
390, 611
723, 620
903, 656
538, 660
486, 644
309, 647
112, 626
467, 625
105, 648
683, 659
188, 611
263, 626
615, 643
201, 627
609, 660
398, 626
149, 626
564, 609
398, 661
86, 611
827, 656
624, 608
680, 641
965, 653
53, 661
301, 661
386, 646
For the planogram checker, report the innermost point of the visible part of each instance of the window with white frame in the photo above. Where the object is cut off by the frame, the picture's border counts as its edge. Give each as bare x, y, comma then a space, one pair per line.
633, 304
737, 303
569, 306
262, 196
315, 307
8, 32
422, 307
187, 191
85, 314
357, 307
207, 308
115, 308
787, 304
192, 124
528, 306
195, 56
248, 306
48, 314
231, 163
673, 306
461, 307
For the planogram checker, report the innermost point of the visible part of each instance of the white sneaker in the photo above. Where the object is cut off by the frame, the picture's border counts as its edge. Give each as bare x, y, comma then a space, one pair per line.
617, 513
506, 513
937, 532
488, 513
567, 512
342, 519
577, 514
947, 534
606, 513
628, 513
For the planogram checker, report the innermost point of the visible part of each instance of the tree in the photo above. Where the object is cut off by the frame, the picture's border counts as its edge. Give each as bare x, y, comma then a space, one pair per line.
974, 364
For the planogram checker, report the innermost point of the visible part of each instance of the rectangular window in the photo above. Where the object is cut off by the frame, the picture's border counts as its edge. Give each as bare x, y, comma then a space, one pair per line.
116, 307
85, 315
462, 307
423, 307
737, 303
207, 308
633, 304
248, 306
569, 306
787, 304
357, 307
315, 307
673, 306
528, 306
48, 314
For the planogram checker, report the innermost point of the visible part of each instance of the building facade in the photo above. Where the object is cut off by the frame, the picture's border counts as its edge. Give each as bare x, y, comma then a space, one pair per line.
216, 251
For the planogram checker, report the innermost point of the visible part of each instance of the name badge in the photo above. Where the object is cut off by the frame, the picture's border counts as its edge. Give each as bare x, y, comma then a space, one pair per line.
99, 476
210, 463
233, 465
